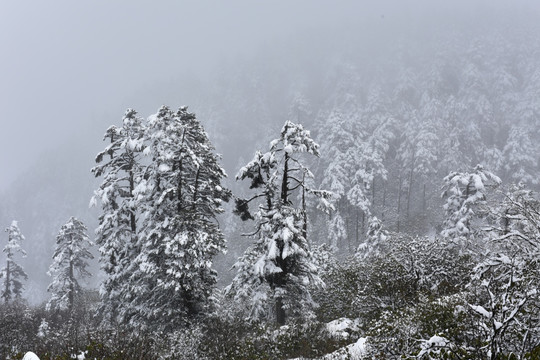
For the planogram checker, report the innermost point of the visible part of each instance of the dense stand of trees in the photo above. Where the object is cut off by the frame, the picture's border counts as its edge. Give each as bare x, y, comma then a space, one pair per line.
161, 193
418, 274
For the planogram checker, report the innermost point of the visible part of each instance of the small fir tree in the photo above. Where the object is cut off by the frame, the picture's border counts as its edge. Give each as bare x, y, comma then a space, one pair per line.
13, 273
69, 265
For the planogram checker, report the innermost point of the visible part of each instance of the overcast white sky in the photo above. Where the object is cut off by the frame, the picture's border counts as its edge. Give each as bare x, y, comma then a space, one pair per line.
67, 64
68, 68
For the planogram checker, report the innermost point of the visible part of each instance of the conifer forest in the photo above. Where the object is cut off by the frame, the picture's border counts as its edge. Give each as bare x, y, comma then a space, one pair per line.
312, 180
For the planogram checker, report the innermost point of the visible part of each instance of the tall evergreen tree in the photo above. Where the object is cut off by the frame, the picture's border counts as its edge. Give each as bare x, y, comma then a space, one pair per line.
69, 265
279, 267
520, 162
173, 279
13, 272
117, 234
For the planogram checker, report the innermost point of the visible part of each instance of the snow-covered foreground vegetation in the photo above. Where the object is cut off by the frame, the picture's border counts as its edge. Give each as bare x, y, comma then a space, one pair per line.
410, 296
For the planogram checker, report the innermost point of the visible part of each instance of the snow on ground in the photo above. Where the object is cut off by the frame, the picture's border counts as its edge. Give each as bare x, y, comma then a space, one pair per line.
341, 328
355, 351
30, 356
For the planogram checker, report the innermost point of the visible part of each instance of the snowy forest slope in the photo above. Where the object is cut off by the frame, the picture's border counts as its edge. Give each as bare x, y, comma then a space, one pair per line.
406, 109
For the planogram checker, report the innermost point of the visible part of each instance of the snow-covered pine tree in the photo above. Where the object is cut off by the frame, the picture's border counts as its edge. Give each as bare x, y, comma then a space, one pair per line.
375, 238
336, 137
13, 272
520, 162
173, 280
121, 167
69, 265
279, 268
464, 192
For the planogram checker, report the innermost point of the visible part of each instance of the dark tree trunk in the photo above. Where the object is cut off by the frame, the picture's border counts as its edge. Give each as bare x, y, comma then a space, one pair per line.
281, 317
196, 190
179, 188
180, 169
304, 211
285, 181
132, 219
71, 286
279, 280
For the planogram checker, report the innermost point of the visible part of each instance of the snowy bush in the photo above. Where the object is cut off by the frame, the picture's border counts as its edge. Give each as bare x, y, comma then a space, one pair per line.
182, 345
18, 326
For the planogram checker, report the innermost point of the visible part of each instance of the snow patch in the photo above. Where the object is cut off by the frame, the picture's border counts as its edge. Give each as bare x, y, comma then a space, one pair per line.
30, 356
164, 168
433, 345
288, 149
341, 328
357, 350
480, 309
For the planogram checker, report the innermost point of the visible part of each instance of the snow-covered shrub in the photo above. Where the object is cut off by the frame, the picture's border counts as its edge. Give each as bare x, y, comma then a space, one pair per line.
117, 344
228, 337
18, 327
392, 278
504, 303
234, 338
310, 340
184, 344
341, 296
504, 286
401, 332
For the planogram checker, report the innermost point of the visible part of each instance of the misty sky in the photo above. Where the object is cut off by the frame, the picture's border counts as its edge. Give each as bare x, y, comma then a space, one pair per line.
69, 64
70, 68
